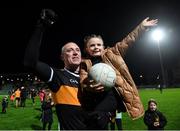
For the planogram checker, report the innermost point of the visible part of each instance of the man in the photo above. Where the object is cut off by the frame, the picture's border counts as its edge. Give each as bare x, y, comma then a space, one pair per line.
17, 94
64, 83
33, 95
116, 120
125, 87
23, 96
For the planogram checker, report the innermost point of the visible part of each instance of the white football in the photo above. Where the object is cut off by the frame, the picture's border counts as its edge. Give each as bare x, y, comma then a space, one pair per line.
104, 74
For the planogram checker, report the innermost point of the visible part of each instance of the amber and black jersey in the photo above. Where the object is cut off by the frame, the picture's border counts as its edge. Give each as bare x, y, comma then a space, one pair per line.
65, 87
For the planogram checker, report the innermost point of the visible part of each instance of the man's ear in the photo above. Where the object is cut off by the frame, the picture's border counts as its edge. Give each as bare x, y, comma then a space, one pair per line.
86, 49
62, 57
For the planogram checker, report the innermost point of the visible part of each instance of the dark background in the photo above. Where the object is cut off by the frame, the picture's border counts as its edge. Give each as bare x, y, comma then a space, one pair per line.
113, 19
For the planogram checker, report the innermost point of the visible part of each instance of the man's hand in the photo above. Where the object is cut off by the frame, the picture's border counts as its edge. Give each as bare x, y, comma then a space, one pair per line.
156, 123
48, 17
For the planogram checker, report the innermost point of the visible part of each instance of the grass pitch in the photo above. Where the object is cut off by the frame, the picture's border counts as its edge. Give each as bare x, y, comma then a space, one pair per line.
28, 118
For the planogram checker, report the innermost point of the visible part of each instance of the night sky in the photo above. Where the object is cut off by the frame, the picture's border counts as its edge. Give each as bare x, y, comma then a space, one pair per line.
113, 19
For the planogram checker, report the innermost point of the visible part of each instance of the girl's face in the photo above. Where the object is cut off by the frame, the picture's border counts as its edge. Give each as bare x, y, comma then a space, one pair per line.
152, 106
94, 47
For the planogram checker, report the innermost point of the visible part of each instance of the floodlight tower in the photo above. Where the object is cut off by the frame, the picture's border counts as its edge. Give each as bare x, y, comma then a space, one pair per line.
157, 36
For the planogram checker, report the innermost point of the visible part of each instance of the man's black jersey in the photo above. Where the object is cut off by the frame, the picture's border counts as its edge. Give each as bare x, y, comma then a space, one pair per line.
65, 85
65, 88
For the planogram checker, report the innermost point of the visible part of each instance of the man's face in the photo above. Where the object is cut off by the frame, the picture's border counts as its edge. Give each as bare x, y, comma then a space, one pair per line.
152, 106
95, 47
71, 55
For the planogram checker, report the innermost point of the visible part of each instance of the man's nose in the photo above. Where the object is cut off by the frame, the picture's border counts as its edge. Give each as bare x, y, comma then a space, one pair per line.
75, 52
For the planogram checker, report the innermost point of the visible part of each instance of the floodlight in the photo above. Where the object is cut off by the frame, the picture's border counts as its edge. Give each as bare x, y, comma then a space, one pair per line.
157, 35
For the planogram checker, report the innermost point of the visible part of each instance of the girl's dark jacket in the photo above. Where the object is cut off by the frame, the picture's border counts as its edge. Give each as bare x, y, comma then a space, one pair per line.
151, 116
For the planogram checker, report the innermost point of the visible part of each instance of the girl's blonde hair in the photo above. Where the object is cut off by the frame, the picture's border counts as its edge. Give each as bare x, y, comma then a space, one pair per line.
87, 38
152, 100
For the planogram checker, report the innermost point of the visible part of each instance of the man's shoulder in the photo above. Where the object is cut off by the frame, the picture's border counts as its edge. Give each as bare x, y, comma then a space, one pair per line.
58, 70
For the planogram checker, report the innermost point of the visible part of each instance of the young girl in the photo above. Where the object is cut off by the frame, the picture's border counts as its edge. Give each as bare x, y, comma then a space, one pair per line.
4, 104
47, 113
94, 95
153, 118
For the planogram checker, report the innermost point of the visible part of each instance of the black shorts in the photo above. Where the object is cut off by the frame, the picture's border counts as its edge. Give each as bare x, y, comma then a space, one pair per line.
18, 98
71, 117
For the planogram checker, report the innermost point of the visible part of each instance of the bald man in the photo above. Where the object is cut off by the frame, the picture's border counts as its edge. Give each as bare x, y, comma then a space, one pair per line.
64, 83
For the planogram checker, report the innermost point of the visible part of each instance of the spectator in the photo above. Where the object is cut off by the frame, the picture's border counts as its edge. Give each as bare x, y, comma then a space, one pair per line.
33, 95
41, 95
116, 120
17, 97
4, 104
153, 118
23, 96
12, 97
47, 114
